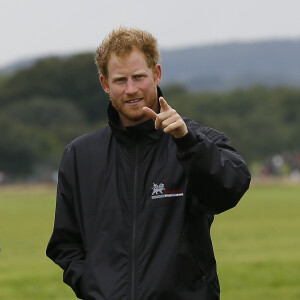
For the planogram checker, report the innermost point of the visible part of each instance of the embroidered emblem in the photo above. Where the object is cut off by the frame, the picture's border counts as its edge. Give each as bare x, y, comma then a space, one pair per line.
159, 191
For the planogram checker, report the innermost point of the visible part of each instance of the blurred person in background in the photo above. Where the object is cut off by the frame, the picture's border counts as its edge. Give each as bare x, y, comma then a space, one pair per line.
136, 198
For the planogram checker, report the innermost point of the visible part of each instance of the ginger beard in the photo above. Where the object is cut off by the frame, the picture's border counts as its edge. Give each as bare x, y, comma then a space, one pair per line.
134, 113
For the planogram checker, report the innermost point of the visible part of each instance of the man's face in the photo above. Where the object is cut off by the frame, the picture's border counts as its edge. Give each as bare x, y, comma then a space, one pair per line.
131, 85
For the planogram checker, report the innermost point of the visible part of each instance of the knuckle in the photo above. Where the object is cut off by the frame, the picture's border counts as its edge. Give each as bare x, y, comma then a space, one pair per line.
159, 118
168, 129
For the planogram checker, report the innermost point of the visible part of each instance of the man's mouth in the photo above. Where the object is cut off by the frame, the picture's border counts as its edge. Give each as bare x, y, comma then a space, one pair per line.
134, 100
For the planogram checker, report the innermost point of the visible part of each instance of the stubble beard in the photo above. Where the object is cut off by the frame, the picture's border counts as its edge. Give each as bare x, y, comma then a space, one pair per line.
132, 114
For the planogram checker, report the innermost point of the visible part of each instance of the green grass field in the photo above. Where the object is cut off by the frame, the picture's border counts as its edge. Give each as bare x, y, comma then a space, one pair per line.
257, 245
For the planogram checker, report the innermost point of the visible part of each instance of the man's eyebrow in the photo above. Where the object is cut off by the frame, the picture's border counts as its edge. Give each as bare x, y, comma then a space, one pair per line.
139, 72
118, 77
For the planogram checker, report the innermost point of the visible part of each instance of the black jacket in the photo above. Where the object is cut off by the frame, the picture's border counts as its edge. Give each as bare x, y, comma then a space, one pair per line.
134, 210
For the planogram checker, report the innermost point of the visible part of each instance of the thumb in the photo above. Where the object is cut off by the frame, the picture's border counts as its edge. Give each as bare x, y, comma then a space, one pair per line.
150, 113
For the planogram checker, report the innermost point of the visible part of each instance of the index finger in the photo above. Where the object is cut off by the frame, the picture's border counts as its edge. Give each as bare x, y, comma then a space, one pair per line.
163, 104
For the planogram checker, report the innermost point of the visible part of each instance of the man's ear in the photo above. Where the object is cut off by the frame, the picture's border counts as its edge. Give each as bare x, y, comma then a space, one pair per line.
104, 84
157, 74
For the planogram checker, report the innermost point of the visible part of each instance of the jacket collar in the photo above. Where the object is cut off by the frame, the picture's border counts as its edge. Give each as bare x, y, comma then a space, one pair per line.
143, 132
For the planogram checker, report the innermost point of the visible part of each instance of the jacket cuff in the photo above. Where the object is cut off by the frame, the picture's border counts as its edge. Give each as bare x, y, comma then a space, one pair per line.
186, 141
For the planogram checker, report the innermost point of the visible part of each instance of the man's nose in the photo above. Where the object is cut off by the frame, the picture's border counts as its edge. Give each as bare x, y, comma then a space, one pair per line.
131, 87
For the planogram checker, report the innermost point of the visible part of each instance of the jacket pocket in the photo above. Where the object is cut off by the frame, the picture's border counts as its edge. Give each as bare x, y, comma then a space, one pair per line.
73, 275
193, 256
83, 283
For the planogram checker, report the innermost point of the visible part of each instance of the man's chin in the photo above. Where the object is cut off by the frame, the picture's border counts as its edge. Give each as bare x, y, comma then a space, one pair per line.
133, 119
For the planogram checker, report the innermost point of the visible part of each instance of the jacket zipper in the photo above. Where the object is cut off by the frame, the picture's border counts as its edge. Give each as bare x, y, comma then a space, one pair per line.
133, 258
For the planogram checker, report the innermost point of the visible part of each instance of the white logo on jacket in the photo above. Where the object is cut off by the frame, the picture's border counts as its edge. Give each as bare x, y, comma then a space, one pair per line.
159, 191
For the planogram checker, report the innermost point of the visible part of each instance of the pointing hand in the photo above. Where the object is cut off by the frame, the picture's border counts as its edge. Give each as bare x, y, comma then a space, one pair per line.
167, 119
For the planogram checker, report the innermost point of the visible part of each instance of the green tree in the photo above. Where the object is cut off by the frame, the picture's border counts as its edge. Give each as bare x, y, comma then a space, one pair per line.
74, 78
35, 131
21, 147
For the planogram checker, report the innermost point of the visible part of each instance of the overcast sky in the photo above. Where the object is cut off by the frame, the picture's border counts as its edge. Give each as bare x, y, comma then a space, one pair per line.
32, 28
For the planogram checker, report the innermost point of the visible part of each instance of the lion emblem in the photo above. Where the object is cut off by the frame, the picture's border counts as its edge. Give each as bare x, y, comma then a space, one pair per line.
158, 188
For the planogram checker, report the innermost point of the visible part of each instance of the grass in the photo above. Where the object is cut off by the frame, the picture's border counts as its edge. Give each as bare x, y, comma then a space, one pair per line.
256, 245
26, 220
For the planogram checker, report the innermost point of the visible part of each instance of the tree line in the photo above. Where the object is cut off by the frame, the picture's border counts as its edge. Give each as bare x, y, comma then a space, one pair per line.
45, 106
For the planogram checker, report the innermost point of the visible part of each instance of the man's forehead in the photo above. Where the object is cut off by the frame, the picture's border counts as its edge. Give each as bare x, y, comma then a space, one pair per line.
118, 57
134, 60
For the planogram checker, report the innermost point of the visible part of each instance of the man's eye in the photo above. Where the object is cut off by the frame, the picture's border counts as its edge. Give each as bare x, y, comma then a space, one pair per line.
138, 76
120, 79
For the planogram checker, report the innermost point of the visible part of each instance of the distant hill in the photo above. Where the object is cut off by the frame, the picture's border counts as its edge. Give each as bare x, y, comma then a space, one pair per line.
18, 65
224, 66
234, 65
26, 63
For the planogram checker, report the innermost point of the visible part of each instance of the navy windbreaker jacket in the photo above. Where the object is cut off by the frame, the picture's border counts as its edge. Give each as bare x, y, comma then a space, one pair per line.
134, 210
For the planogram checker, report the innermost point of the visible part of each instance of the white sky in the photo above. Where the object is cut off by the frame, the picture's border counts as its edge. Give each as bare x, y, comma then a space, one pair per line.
30, 28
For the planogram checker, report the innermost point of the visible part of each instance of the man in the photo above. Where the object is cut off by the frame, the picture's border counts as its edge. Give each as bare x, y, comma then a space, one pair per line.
136, 199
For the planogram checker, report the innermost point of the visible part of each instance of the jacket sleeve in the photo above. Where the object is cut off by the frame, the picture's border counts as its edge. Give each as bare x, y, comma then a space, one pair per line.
65, 247
217, 174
